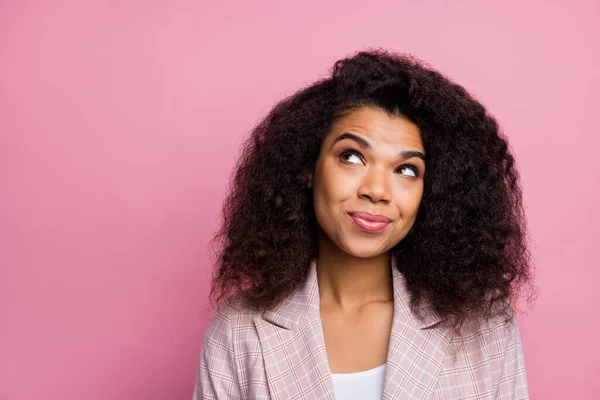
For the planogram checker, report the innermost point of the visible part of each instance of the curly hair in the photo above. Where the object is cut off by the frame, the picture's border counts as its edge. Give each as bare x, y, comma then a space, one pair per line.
466, 255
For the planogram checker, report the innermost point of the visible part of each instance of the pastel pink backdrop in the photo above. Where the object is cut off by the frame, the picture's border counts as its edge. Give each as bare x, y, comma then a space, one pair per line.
119, 125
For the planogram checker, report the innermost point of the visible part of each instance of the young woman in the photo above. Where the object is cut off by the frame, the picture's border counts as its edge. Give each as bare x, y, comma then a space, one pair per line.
373, 246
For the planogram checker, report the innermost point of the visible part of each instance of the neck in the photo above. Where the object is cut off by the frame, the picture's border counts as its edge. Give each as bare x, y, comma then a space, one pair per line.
349, 282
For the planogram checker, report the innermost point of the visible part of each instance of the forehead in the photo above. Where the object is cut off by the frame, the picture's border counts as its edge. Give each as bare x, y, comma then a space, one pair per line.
380, 127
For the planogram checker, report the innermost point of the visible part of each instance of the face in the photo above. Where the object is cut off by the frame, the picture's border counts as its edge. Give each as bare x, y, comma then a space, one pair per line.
370, 163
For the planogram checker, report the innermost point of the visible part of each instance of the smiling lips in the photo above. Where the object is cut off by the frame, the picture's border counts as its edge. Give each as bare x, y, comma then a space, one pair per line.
369, 222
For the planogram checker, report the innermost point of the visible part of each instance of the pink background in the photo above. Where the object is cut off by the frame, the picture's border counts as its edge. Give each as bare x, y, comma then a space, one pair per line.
120, 121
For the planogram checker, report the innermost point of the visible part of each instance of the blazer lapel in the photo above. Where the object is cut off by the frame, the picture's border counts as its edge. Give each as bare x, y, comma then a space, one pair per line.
293, 346
295, 359
415, 352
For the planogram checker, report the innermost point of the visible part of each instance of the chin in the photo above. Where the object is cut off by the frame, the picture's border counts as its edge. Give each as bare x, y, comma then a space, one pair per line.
363, 250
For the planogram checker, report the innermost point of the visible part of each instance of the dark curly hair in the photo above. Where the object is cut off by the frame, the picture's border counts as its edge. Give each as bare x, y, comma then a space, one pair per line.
466, 254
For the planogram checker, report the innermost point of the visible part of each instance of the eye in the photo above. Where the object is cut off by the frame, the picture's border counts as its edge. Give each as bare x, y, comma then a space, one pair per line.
414, 171
349, 154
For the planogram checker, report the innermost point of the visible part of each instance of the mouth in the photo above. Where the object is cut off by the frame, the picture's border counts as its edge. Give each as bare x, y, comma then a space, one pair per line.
369, 222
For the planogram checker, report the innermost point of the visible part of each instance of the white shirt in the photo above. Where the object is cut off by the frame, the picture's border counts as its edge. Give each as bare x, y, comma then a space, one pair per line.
364, 385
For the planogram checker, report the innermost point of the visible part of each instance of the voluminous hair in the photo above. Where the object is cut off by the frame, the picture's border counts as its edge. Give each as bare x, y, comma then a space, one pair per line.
466, 254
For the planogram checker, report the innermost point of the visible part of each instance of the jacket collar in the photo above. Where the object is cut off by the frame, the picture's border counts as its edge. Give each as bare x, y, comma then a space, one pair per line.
295, 358
306, 301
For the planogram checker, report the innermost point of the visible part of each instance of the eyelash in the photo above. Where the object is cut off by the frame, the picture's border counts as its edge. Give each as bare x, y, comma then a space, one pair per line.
414, 168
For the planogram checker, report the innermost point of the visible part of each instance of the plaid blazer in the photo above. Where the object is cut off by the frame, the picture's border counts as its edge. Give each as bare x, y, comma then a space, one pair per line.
280, 354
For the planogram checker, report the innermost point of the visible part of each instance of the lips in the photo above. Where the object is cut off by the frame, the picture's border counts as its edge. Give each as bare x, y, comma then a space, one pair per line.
369, 222
369, 217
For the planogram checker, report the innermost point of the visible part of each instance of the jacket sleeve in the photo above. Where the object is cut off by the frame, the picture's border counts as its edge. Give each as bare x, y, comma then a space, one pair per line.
217, 376
513, 379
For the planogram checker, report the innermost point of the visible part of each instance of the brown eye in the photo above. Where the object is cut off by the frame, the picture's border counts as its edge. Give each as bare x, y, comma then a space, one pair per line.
347, 155
414, 171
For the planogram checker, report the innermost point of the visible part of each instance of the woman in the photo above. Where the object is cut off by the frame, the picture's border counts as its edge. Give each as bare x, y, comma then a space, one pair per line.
373, 245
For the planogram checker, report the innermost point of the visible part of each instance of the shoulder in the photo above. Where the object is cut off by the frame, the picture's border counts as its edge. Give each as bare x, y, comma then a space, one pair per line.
231, 349
493, 335
486, 358
495, 330
487, 342
225, 356
229, 325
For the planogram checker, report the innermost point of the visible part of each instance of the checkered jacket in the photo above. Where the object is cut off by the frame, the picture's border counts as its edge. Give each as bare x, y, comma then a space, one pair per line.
280, 354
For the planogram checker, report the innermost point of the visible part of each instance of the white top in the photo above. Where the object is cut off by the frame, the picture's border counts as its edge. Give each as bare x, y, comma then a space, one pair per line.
364, 385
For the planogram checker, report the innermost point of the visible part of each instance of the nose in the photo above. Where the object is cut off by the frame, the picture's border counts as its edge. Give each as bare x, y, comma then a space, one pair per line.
375, 186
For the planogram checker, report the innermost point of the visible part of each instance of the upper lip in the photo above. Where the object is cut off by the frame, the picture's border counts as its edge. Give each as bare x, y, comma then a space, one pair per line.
369, 217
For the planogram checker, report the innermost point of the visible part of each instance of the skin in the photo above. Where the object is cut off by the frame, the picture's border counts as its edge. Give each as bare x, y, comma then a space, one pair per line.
353, 266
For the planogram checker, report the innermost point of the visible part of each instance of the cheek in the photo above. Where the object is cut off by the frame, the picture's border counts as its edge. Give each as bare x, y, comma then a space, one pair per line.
415, 200
333, 185
330, 191
408, 201
326, 197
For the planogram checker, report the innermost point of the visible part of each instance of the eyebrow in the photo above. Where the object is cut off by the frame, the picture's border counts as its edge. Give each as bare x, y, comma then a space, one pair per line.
366, 145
